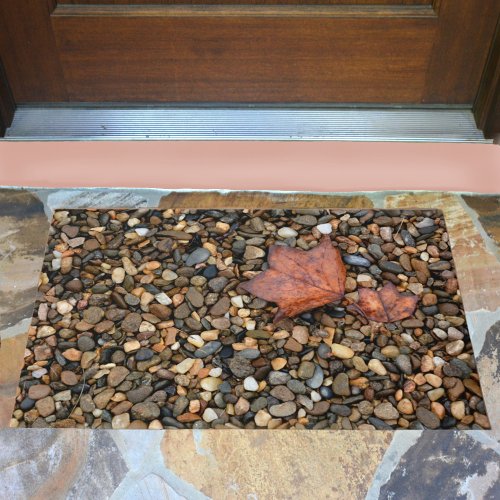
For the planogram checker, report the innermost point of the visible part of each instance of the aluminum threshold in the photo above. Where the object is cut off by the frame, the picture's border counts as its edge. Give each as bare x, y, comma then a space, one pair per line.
244, 123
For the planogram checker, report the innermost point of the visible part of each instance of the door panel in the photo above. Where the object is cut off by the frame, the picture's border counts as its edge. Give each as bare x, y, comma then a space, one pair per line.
280, 51
244, 59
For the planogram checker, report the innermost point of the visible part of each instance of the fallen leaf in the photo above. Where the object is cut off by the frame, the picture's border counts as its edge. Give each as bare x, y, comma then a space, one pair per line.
387, 304
299, 280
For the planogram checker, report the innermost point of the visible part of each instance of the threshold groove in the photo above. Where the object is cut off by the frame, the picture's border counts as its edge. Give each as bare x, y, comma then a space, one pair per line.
244, 123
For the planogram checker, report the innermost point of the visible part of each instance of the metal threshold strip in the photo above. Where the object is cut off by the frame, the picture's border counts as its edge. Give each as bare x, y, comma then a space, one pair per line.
244, 123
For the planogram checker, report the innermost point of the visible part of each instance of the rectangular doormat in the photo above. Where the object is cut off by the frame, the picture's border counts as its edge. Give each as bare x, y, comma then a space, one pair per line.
255, 319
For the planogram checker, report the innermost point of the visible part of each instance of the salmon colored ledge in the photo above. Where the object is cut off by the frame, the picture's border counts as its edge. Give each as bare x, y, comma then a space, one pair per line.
287, 166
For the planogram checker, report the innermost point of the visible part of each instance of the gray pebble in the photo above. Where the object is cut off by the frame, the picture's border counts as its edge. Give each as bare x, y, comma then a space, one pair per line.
241, 367
144, 354
391, 267
250, 353
342, 410
139, 394
85, 343
208, 349
198, 256
375, 250
324, 351
403, 362
317, 379
283, 410
278, 378
356, 260
340, 385
296, 386
217, 284
427, 418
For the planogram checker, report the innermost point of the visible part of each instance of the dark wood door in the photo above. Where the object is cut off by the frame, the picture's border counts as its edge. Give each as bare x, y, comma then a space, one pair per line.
253, 51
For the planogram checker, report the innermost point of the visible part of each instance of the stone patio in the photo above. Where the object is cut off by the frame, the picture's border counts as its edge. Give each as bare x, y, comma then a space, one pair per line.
69, 463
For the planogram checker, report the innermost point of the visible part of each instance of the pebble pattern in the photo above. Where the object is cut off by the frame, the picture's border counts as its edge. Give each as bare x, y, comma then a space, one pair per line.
140, 323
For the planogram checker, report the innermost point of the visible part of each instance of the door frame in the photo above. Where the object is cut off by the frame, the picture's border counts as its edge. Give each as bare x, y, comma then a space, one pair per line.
486, 106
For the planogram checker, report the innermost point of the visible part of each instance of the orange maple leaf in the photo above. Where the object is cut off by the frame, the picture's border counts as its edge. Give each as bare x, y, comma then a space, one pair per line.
387, 304
299, 280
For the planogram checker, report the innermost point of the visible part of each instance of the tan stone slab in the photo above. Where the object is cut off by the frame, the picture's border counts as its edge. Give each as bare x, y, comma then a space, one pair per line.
11, 362
23, 236
281, 464
261, 199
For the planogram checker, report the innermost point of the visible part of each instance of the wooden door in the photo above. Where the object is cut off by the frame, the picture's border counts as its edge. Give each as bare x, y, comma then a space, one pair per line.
246, 51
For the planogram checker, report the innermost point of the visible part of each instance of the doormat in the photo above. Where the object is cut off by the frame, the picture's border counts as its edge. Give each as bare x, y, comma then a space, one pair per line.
249, 319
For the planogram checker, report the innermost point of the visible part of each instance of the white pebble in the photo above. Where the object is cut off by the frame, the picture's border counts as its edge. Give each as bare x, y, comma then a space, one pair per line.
163, 298
62, 396
142, 231
215, 372
147, 327
407, 338
64, 307
56, 264
455, 334
118, 275
438, 361
39, 373
196, 340
287, 232
315, 396
169, 275
250, 384
133, 222
250, 324
237, 301
440, 333
185, 365
209, 415
210, 383
324, 228
133, 345
45, 331
206, 396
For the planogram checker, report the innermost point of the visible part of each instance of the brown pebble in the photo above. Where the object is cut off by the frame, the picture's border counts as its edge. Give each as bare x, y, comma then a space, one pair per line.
39, 391
188, 417
429, 299
45, 406
473, 386
69, 378
482, 420
72, 354
405, 406
292, 345
117, 375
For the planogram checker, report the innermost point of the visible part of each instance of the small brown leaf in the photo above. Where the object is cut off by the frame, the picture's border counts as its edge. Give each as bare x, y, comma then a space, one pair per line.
298, 280
387, 304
